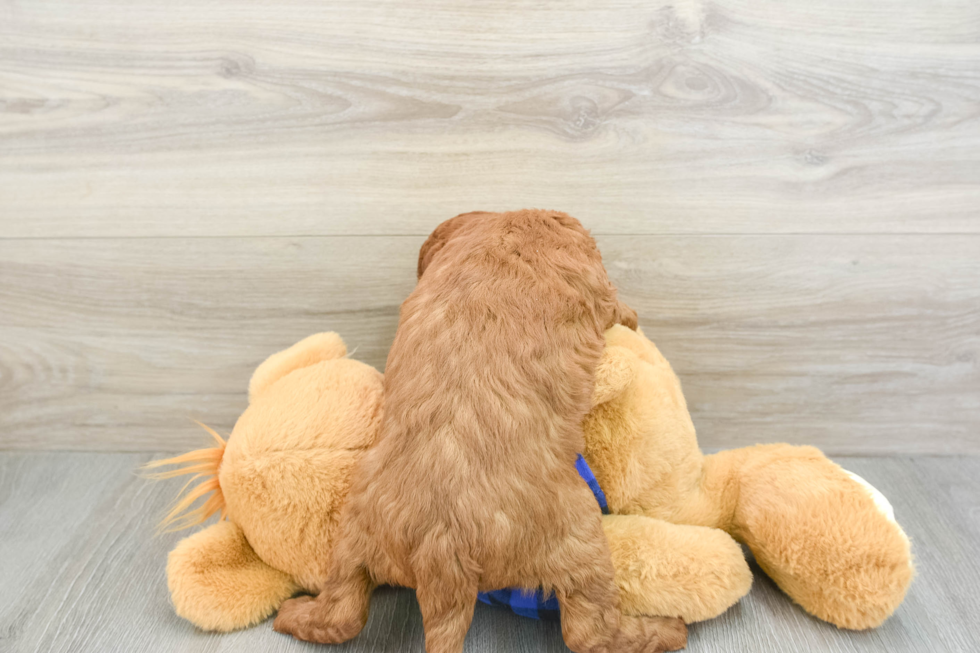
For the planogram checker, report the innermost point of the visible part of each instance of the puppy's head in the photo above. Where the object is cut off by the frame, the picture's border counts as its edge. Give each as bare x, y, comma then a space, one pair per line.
443, 234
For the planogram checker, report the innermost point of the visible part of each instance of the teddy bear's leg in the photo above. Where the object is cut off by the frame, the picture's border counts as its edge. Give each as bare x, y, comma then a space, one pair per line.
306, 352
665, 569
816, 532
217, 582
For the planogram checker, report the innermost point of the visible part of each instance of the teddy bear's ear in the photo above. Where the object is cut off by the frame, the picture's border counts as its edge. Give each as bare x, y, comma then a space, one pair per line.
615, 372
306, 352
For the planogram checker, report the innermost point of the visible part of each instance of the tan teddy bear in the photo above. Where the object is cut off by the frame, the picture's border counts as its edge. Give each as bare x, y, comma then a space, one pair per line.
284, 473
825, 536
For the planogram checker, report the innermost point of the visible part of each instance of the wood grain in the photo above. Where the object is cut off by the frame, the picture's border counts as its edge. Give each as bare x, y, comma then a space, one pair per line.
82, 571
234, 118
851, 343
789, 194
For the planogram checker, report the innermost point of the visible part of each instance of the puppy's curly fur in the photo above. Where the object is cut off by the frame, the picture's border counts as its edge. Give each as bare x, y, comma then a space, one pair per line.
472, 484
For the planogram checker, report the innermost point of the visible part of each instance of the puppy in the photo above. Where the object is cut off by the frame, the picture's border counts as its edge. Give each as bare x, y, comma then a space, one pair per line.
472, 485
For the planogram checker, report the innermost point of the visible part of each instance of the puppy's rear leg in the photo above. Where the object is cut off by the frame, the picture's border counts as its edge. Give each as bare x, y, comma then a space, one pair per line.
589, 617
447, 598
591, 621
446, 616
338, 613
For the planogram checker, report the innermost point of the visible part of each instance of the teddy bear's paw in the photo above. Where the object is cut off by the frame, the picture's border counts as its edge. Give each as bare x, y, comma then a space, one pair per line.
218, 582
651, 634
305, 619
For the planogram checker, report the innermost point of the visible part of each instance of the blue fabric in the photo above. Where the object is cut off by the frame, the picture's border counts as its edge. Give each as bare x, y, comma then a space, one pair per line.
531, 603
586, 472
526, 603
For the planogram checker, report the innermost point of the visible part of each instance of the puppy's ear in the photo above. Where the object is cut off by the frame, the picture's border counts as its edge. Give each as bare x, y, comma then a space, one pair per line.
442, 234
626, 316
615, 372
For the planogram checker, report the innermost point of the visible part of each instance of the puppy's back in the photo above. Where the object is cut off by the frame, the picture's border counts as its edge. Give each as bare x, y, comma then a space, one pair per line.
491, 367
472, 484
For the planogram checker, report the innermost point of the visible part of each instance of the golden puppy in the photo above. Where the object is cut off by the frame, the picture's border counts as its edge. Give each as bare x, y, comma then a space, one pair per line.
472, 485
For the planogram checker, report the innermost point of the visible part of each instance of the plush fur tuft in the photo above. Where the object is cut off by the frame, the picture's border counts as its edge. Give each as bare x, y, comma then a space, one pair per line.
204, 464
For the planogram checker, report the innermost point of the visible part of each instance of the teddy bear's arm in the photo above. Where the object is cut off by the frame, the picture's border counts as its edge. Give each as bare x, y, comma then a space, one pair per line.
217, 582
674, 570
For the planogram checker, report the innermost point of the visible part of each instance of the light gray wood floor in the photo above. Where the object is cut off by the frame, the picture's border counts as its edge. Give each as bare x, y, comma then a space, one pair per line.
80, 570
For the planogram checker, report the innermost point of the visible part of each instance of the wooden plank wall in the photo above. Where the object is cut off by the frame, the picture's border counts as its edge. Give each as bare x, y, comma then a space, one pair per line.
788, 193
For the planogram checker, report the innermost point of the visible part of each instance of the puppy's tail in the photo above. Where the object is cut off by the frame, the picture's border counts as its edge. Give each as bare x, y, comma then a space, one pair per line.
204, 464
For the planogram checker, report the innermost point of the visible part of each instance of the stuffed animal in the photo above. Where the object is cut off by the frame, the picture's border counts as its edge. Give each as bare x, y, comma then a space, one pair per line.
281, 478
824, 535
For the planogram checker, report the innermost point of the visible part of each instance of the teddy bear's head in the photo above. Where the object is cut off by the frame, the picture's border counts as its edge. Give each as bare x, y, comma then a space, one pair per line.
287, 468
285, 471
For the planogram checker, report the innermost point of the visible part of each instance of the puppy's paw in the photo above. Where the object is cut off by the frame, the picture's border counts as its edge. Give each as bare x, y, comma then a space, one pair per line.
298, 617
294, 616
305, 619
653, 634
672, 632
